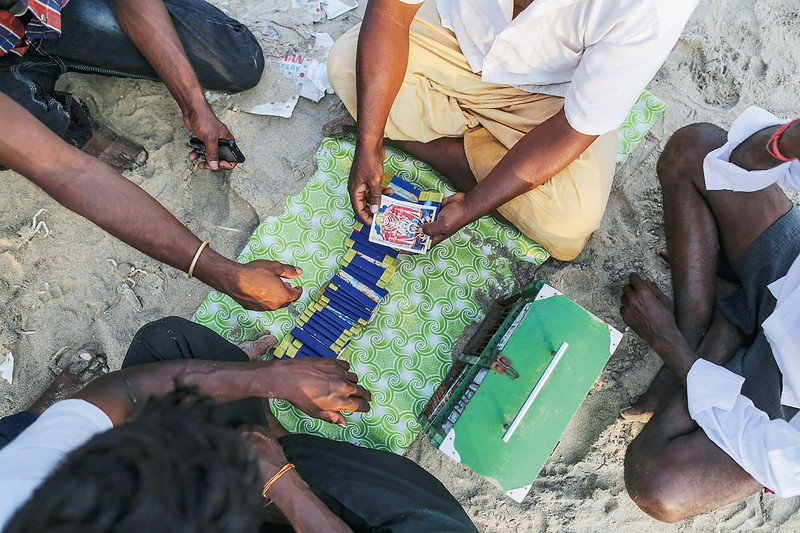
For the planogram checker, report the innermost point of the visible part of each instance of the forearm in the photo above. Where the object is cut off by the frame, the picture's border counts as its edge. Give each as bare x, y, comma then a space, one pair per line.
752, 154
537, 157
121, 393
94, 190
380, 65
676, 354
148, 25
302, 508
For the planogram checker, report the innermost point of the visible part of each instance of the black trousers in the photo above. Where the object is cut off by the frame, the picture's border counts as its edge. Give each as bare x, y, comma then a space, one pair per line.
370, 490
223, 52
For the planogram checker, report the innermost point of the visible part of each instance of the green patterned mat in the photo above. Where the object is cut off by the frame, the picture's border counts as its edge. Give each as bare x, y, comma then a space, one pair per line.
405, 352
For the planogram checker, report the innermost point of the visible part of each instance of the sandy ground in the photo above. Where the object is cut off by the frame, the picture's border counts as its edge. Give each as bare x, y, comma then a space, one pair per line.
60, 291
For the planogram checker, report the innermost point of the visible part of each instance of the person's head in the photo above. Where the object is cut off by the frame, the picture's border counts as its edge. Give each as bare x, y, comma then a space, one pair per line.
170, 469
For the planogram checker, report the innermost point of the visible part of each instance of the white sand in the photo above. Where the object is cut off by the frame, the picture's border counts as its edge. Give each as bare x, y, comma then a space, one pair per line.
62, 291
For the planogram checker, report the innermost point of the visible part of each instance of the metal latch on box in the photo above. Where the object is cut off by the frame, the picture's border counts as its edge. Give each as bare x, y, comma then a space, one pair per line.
502, 365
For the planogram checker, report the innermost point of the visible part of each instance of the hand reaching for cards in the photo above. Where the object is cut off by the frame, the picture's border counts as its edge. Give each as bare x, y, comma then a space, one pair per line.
365, 182
321, 388
259, 285
454, 215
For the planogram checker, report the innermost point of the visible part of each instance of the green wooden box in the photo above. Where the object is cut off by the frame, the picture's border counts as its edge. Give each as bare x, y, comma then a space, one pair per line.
503, 428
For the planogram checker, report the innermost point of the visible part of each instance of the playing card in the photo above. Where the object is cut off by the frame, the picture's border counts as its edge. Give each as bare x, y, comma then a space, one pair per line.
398, 224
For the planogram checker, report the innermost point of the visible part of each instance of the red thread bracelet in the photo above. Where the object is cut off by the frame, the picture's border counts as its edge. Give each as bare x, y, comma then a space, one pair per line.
772, 143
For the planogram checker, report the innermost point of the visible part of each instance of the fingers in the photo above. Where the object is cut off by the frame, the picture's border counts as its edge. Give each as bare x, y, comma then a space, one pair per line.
358, 200
635, 281
358, 405
293, 293
333, 417
286, 270
375, 191
212, 151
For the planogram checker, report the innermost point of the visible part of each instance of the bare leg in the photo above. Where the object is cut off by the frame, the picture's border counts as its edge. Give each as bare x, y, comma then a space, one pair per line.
672, 470
446, 155
258, 347
87, 365
120, 153
694, 219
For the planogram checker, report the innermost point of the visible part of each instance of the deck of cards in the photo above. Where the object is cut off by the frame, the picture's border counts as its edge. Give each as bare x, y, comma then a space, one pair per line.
398, 222
346, 303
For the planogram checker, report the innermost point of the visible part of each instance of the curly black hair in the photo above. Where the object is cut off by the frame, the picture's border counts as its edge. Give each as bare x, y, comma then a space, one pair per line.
170, 469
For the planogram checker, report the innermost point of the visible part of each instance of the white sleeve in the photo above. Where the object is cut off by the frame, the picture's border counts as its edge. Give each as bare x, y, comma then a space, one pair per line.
613, 73
721, 174
30, 458
768, 450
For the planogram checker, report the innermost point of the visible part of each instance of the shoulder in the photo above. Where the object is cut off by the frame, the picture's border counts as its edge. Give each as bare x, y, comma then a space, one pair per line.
30, 458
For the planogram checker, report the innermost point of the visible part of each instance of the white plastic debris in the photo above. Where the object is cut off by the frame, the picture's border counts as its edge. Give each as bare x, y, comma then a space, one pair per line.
334, 8
316, 84
7, 368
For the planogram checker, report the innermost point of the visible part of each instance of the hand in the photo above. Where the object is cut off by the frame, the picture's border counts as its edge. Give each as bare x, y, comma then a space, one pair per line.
205, 125
365, 182
648, 312
454, 215
264, 445
258, 285
321, 388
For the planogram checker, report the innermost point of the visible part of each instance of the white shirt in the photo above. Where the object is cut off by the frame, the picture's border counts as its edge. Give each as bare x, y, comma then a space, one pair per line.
769, 450
597, 54
36, 453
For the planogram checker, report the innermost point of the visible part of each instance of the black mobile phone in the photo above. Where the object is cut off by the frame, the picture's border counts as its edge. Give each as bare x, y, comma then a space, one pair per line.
228, 151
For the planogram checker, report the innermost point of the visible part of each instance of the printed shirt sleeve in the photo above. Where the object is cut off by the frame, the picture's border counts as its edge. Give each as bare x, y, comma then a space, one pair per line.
30, 458
769, 450
721, 174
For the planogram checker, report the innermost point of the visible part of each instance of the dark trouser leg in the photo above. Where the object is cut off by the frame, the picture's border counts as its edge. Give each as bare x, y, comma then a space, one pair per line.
30, 81
373, 490
177, 338
12, 425
222, 51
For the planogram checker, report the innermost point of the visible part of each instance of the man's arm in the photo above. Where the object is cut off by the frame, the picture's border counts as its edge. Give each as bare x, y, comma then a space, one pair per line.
290, 493
752, 154
319, 387
380, 67
538, 156
148, 25
94, 190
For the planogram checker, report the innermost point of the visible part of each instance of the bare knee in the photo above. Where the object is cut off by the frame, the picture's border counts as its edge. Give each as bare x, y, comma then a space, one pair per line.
682, 159
653, 484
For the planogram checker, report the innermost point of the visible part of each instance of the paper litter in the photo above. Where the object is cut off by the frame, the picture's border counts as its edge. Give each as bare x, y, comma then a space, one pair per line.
7, 368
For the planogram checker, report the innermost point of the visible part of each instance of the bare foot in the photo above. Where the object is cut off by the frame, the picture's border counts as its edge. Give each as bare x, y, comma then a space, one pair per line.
118, 152
339, 127
663, 387
88, 364
258, 347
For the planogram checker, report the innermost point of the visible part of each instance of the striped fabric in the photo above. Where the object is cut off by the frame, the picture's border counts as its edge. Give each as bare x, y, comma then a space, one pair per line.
44, 23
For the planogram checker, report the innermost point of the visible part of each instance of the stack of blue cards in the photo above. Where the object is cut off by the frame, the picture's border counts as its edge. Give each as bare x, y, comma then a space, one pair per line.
346, 303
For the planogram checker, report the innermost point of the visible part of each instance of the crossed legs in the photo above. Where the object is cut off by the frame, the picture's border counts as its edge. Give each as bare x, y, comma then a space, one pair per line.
672, 470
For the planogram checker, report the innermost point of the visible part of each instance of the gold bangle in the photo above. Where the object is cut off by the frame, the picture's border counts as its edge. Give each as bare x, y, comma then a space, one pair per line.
273, 479
196, 257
